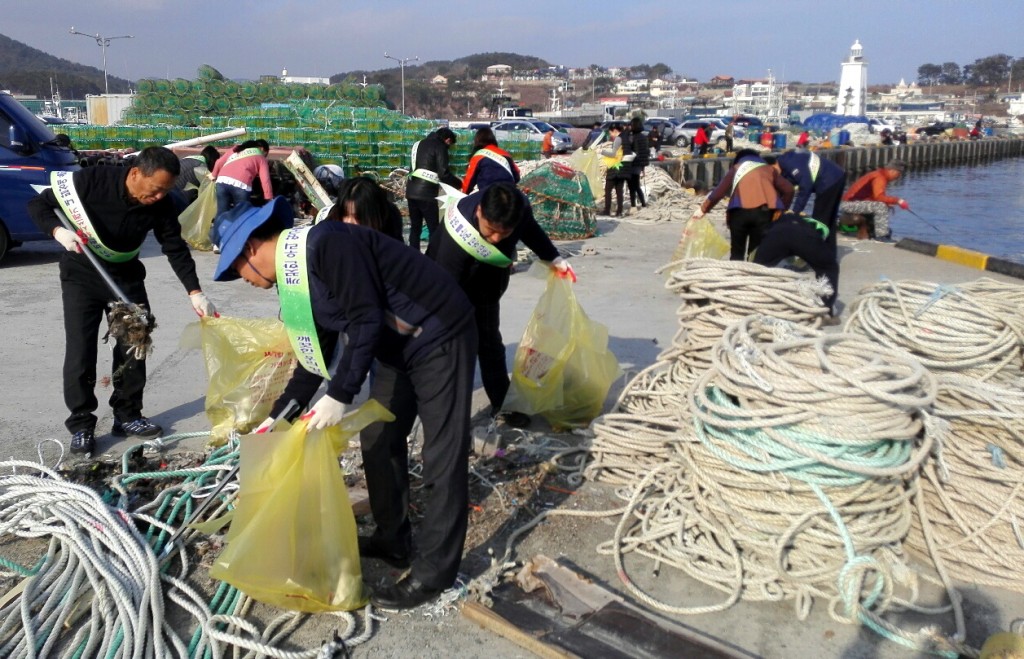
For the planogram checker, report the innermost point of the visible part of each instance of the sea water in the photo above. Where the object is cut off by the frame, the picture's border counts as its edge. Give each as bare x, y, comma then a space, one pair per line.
978, 207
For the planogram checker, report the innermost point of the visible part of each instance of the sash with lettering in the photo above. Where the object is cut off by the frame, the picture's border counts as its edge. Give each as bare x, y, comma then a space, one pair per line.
495, 157
63, 187
245, 153
465, 234
814, 164
422, 172
296, 308
745, 168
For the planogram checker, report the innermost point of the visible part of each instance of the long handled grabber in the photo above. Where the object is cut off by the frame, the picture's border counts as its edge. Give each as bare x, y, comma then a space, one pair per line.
289, 413
129, 323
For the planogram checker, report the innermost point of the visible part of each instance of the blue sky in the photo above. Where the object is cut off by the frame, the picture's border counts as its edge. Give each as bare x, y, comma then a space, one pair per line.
798, 39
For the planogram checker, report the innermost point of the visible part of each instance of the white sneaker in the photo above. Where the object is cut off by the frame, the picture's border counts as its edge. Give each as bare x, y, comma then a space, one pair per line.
216, 249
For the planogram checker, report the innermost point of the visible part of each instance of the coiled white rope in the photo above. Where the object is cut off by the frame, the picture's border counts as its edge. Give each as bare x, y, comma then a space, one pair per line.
950, 329
974, 497
98, 564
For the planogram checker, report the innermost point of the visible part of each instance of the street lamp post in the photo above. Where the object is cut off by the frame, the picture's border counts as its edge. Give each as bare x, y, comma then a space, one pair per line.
102, 42
401, 62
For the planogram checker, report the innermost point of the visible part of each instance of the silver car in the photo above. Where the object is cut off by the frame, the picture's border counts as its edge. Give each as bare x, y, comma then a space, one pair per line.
532, 130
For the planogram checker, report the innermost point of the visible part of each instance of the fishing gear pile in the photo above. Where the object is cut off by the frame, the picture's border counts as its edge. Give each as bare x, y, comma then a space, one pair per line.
131, 325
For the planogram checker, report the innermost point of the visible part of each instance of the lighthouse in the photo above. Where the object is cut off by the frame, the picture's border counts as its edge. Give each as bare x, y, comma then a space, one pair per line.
853, 83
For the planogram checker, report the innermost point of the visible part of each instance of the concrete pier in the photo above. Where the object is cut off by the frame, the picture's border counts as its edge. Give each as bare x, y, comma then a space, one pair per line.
860, 160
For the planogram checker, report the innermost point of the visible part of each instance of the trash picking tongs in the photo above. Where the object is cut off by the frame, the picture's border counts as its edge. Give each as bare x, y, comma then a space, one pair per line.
137, 322
289, 413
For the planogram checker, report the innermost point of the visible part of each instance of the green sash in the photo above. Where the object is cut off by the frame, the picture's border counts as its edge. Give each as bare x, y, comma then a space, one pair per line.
815, 164
466, 235
245, 153
745, 168
296, 308
425, 174
500, 159
63, 187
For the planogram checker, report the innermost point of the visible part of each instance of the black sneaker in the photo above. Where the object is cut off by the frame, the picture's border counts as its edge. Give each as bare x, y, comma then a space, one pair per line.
140, 427
83, 441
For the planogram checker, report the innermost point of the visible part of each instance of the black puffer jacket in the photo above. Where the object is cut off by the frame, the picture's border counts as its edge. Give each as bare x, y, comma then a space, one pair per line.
642, 149
432, 155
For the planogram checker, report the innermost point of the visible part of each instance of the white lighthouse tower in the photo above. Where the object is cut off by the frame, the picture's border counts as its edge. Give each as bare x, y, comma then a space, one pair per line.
853, 83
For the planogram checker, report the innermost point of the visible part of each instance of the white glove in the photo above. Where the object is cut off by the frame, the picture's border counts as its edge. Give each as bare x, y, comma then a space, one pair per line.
697, 214
326, 412
202, 305
564, 270
264, 425
69, 239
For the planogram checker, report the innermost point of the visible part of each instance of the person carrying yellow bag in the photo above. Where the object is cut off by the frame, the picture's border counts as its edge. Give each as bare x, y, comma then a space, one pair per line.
394, 305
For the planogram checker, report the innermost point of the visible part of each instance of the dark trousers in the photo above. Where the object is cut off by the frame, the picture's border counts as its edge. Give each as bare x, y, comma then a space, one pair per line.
746, 229
635, 191
728, 143
491, 351
85, 297
792, 236
826, 210
420, 211
228, 196
440, 388
609, 185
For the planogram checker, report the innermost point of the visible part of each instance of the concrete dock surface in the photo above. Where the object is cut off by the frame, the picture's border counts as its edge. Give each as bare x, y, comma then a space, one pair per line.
617, 286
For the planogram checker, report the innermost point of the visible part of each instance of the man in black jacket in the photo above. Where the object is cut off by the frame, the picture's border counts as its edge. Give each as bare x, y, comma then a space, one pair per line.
429, 170
477, 246
395, 306
114, 209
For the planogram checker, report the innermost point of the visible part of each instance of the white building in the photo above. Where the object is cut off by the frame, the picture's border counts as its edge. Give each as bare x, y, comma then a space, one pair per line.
303, 80
853, 83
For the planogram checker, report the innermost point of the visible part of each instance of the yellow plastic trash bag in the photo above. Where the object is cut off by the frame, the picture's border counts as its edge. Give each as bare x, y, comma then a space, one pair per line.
248, 362
292, 541
700, 240
563, 367
197, 219
587, 162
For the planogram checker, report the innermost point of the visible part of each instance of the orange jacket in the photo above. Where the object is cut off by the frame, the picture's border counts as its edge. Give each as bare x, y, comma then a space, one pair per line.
546, 146
871, 187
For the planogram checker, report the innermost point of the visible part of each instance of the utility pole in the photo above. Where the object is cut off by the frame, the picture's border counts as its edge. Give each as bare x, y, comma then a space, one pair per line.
102, 42
401, 62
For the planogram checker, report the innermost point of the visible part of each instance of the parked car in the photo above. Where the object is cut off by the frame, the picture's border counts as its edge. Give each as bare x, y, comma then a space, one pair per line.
687, 129
737, 130
749, 122
29, 152
533, 130
935, 128
561, 126
878, 125
666, 128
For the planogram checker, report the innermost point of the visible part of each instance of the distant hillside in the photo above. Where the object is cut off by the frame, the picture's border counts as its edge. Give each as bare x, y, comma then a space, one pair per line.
26, 70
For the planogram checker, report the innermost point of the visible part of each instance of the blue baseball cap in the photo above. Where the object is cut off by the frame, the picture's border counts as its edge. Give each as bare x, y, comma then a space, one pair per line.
239, 223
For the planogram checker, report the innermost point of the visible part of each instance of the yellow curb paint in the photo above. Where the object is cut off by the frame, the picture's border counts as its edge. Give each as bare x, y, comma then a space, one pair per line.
962, 256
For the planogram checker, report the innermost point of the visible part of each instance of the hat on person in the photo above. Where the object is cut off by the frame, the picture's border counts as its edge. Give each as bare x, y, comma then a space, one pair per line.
239, 223
897, 165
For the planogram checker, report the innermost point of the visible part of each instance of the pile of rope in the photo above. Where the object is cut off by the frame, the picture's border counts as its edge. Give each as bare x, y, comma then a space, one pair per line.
968, 330
105, 584
652, 413
973, 494
796, 483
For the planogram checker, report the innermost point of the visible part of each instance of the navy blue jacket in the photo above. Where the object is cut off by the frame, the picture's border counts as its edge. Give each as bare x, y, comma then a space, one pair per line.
360, 281
485, 284
796, 169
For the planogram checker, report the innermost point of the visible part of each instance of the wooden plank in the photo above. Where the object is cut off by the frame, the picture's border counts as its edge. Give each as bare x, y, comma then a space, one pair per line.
491, 621
310, 186
626, 627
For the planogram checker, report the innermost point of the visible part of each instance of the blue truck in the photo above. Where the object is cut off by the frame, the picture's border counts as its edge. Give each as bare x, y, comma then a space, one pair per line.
29, 151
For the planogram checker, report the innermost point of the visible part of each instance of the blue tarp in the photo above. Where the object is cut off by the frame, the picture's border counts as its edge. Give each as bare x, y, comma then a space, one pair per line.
829, 121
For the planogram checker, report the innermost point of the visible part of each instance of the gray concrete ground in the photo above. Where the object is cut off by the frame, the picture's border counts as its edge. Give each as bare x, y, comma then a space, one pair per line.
617, 286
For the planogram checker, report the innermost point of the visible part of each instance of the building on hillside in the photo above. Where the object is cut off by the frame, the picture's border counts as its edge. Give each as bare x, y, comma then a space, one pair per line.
853, 83
722, 81
303, 80
498, 71
439, 80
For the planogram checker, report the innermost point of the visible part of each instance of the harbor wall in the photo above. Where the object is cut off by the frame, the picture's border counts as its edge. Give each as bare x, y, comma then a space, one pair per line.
860, 160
